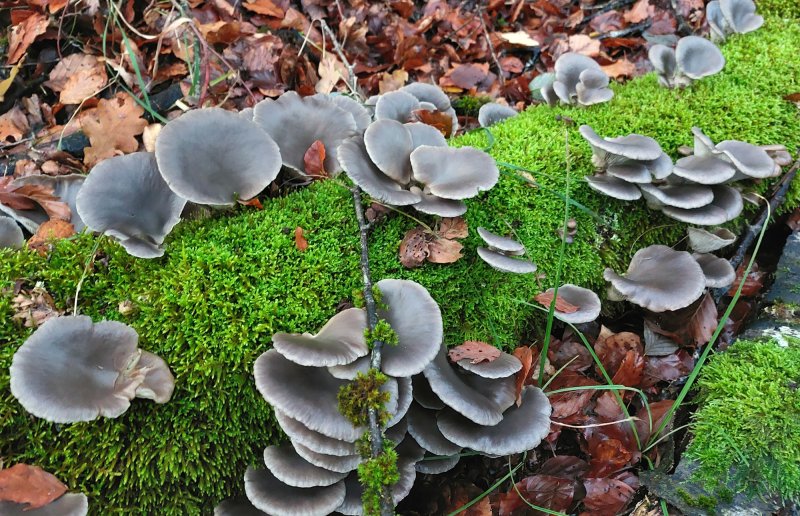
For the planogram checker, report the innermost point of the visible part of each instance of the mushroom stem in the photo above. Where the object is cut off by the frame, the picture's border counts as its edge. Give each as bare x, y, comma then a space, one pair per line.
376, 435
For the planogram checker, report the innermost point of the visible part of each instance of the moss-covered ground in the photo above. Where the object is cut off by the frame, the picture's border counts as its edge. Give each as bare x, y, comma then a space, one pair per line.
209, 306
747, 428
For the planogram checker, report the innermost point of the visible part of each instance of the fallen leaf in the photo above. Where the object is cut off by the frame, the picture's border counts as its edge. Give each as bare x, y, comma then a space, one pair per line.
475, 351
299, 240
452, 227
519, 38
690, 326
794, 98
23, 35
550, 492
607, 456
666, 369
441, 121
77, 77
255, 202
49, 231
566, 404
314, 160
620, 68
149, 136
571, 355
656, 345
640, 11
546, 298
606, 495
392, 81
414, 248
462, 494
26, 197
330, 70
583, 44
752, 285
34, 307
266, 7
525, 355
658, 410
630, 370
612, 349
565, 466
13, 125
467, 76
112, 128
444, 250
30, 485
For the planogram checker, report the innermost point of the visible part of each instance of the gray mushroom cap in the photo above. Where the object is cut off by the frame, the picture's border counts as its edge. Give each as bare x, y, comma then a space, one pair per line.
716, 21
521, 429
500, 243
492, 113
272, 496
457, 394
65, 187
296, 122
703, 145
698, 57
568, 69
706, 170
237, 506
632, 146
704, 241
405, 397
68, 504
740, 15
422, 427
433, 205
750, 160
416, 319
307, 394
660, 279
504, 263
614, 187
718, 271
424, 395
293, 470
363, 172
454, 173
352, 505
592, 87
127, 198
726, 206
428, 93
335, 463
10, 234
588, 304
360, 114
681, 196
213, 156
660, 167
341, 341
424, 134
396, 105
437, 464
501, 367
663, 59
299, 433
389, 146
158, 383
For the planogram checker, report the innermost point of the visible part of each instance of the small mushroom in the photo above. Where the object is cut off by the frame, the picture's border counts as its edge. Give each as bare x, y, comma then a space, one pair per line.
726, 206
454, 173
718, 271
335, 463
396, 105
126, 197
704, 241
578, 80
503, 253
359, 113
293, 470
437, 464
10, 234
609, 151
213, 156
614, 187
727, 17
522, 428
588, 304
422, 427
68, 504
693, 58
660, 279
750, 160
341, 341
492, 113
272, 496
681, 196
706, 170
389, 146
500, 243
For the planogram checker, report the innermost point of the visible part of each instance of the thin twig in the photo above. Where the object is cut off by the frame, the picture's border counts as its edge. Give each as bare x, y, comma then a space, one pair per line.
86, 266
627, 31
491, 49
376, 435
353, 84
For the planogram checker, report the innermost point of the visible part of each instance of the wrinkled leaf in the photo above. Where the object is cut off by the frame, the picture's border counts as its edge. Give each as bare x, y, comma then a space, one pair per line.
656, 345
606, 495
452, 227
565, 466
551, 492
475, 351
545, 298
112, 128
49, 231
314, 160
612, 349
444, 250
31, 485
24, 34
414, 248
440, 121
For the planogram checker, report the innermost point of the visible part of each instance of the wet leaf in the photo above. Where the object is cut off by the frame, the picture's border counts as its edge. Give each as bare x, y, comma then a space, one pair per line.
571, 354
606, 495
299, 240
754, 283
24, 34
666, 369
546, 298
565, 466
475, 351
551, 492
658, 410
461, 494
566, 404
607, 457
611, 350
441, 121
690, 326
314, 160
630, 370
30, 485
656, 345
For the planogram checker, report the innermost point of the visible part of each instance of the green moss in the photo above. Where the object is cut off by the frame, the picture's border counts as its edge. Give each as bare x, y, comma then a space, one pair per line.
784, 8
747, 429
707, 503
383, 332
362, 394
227, 284
375, 473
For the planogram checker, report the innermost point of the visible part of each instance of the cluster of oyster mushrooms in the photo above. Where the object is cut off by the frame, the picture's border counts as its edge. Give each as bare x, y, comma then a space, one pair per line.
695, 189
577, 79
692, 59
436, 408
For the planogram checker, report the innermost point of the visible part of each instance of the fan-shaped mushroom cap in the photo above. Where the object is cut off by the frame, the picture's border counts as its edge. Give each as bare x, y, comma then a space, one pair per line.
389, 146
492, 113
727, 205
307, 394
660, 167
416, 319
428, 93
296, 122
433, 205
568, 68
424, 134
436, 464
64, 187
549, 95
68, 504
632, 146
352, 505
293, 470
698, 57
521, 429
405, 396
502, 391
716, 22
360, 115
272, 496
451, 388
750, 160
504, 263
351, 370
614, 187
663, 59
718, 271
651, 280
703, 145
336, 463
706, 170
158, 383
396, 105
299, 433
501, 367
424, 395
238, 506
213, 156
363, 172
593, 87
680, 196
703, 241
500, 243
740, 15
422, 427
126, 197
630, 171
340, 341
10, 234
588, 304
454, 173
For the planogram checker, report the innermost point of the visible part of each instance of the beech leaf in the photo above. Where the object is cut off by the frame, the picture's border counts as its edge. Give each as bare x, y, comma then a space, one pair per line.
525, 355
545, 298
444, 250
414, 248
31, 485
452, 227
436, 119
314, 160
606, 495
475, 351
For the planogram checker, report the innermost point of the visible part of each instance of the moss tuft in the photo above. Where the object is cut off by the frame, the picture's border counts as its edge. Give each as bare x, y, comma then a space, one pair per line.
374, 474
748, 422
362, 394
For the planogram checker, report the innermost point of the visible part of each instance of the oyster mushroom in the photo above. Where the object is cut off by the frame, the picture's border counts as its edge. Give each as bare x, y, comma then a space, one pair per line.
578, 80
126, 197
726, 206
726, 17
290, 468
492, 113
503, 253
68, 504
588, 304
10, 234
213, 156
71, 369
340, 341
238, 506
64, 187
272, 496
693, 58
718, 271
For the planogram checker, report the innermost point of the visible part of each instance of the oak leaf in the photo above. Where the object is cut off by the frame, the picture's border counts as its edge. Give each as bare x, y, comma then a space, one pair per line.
30, 485
48, 231
444, 250
77, 77
414, 248
475, 351
112, 128
440, 121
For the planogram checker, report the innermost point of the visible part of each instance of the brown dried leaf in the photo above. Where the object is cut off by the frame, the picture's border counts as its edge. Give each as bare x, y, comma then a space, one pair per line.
77, 77
452, 227
565, 466
525, 355
630, 370
441, 121
392, 81
566, 404
49, 231
690, 326
266, 7
414, 248
752, 285
13, 125
620, 68
607, 456
572, 355
640, 11
299, 240
23, 35
666, 369
330, 70
314, 160
794, 98
583, 44
26, 197
545, 298
474, 350
551, 492
460, 495
30, 485
444, 250
34, 307
112, 128
606, 495
612, 349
